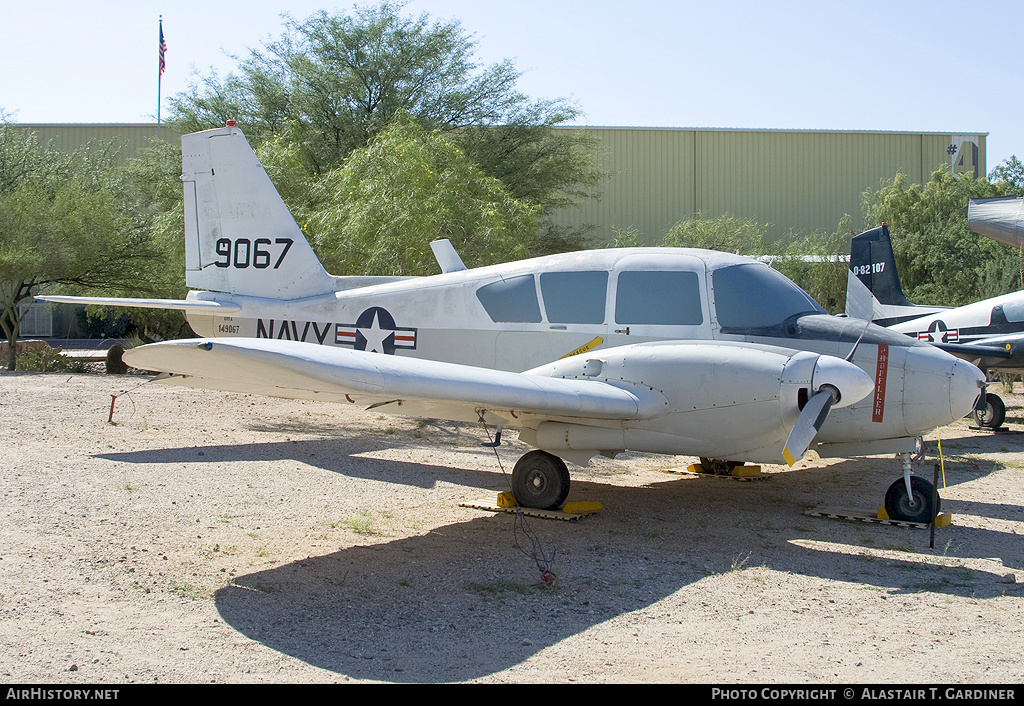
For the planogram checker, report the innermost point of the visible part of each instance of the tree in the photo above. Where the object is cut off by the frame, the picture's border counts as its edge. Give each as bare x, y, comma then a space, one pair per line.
377, 213
1011, 172
741, 236
819, 264
150, 190
62, 224
940, 261
814, 262
334, 82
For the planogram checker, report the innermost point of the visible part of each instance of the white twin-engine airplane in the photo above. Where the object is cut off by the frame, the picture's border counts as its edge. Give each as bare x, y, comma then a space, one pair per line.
660, 350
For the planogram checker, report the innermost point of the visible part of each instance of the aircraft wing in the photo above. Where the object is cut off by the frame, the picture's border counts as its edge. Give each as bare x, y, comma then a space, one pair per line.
970, 351
180, 304
1004, 353
409, 386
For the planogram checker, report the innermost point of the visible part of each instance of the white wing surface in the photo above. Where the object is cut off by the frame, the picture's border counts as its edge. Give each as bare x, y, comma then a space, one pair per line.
409, 386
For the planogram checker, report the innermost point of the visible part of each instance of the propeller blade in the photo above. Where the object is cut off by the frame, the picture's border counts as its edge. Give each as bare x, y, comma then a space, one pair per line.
807, 425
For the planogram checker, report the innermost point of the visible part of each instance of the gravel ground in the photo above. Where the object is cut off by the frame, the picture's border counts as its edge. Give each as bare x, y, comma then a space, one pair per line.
208, 537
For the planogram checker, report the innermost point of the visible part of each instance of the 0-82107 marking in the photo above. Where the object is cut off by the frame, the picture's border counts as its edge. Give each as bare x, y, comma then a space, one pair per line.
873, 268
242, 253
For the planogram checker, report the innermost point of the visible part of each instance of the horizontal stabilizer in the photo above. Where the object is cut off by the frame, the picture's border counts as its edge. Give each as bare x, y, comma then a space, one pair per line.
177, 304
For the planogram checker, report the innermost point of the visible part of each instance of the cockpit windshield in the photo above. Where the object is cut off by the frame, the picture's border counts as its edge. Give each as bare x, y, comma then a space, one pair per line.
752, 295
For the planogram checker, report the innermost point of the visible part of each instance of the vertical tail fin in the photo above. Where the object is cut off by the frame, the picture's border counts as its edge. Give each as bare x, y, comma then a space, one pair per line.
239, 236
873, 287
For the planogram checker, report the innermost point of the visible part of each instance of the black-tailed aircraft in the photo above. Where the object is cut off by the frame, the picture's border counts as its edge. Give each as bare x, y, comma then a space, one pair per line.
989, 333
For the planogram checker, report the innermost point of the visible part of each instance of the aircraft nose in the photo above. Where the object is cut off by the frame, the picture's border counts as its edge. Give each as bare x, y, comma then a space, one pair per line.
852, 382
966, 383
938, 389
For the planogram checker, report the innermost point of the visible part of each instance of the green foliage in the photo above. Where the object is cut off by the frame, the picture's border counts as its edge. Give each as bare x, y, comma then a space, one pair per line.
65, 223
22, 157
377, 213
536, 162
724, 233
1011, 173
940, 261
333, 82
50, 360
150, 189
819, 264
816, 262
103, 322
624, 238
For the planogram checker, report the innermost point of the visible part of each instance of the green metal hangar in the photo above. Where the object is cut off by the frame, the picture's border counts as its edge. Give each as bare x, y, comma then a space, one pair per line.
800, 180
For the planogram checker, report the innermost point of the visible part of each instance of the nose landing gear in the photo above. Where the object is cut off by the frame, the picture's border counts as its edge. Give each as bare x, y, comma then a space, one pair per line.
911, 498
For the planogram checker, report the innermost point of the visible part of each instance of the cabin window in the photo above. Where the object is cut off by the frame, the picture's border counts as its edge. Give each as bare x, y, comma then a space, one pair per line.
574, 297
754, 296
512, 300
665, 297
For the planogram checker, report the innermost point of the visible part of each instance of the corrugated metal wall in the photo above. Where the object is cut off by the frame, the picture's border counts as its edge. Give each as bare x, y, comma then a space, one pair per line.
132, 137
800, 180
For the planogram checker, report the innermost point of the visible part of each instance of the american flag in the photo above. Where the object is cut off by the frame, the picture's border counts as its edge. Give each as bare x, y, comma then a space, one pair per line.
163, 48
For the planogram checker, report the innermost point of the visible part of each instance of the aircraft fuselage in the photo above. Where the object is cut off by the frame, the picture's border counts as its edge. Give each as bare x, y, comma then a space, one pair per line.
522, 315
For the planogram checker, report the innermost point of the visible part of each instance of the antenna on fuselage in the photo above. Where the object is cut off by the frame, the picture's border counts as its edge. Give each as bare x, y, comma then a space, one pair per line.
446, 256
849, 356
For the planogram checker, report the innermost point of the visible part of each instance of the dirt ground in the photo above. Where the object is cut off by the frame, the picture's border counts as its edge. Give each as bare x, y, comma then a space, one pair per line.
208, 537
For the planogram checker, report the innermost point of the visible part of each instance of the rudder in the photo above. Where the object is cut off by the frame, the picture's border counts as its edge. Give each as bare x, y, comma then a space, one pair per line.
873, 263
239, 235
873, 289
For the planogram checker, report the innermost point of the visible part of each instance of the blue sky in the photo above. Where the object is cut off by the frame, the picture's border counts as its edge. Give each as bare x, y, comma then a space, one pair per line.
915, 66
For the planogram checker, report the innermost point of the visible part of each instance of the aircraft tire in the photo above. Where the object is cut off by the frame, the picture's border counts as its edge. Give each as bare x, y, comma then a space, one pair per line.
897, 502
540, 480
718, 467
993, 414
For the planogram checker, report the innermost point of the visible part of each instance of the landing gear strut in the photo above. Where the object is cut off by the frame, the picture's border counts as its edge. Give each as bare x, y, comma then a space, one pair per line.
540, 480
910, 499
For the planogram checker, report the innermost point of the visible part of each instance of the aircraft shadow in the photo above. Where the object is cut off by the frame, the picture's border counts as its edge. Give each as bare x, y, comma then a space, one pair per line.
332, 454
461, 602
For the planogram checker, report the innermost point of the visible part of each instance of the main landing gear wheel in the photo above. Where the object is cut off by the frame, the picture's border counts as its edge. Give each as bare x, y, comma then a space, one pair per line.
992, 414
718, 467
915, 508
540, 480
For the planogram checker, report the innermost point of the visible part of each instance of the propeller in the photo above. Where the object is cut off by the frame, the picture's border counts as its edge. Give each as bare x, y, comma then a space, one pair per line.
835, 382
808, 424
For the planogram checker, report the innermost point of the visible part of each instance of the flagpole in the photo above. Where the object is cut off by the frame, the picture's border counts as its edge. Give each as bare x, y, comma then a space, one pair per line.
159, 76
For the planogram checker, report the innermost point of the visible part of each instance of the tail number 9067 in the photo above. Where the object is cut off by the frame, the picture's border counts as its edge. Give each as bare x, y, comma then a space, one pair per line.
243, 253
